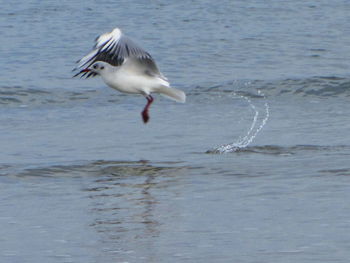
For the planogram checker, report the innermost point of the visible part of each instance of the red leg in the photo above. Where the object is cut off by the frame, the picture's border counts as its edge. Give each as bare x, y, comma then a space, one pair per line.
144, 113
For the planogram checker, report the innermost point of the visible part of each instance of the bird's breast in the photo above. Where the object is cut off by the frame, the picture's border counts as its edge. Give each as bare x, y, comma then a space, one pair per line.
129, 82
123, 82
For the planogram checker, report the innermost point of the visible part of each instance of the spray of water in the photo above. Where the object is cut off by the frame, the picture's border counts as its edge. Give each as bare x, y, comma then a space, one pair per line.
252, 132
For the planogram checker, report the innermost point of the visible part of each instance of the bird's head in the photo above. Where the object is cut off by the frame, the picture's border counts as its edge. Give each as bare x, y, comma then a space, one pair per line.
99, 67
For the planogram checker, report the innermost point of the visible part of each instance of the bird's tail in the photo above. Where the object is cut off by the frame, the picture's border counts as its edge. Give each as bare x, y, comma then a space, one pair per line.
172, 93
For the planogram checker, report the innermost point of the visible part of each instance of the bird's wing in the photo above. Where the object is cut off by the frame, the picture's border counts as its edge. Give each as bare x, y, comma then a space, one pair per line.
115, 48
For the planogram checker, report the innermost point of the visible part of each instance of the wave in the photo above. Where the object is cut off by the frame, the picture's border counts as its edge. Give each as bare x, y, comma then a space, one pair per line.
286, 150
17, 96
143, 167
322, 87
98, 167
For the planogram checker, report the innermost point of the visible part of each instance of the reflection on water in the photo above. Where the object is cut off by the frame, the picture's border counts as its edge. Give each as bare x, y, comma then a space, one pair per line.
125, 203
115, 211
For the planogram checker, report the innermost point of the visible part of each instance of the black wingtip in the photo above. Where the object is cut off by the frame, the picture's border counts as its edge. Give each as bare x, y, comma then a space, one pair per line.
86, 74
76, 75
80, 72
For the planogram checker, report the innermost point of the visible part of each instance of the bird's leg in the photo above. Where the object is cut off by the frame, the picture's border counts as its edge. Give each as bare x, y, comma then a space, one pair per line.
144, 113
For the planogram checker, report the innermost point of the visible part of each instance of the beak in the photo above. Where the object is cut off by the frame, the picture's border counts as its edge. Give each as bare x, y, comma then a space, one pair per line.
84, 71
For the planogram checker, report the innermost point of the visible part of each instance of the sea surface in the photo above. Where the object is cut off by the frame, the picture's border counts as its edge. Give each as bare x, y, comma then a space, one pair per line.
253, 168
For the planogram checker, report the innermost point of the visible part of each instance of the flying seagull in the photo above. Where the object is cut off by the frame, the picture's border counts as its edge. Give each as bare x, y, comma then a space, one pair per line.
126, 67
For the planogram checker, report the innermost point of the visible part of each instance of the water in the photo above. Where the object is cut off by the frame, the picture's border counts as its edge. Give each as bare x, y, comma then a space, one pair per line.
84, 180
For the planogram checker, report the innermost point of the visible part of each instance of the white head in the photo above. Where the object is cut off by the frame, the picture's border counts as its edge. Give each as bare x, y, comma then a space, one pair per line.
100, 68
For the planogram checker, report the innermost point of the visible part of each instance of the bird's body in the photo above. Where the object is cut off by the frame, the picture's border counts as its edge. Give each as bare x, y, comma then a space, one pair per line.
126, 80
127, 68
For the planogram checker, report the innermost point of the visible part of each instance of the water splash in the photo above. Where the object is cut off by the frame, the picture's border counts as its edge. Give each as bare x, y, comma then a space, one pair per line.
252, 132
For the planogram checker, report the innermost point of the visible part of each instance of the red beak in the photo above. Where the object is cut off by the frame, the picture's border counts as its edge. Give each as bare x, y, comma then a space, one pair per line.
84, 70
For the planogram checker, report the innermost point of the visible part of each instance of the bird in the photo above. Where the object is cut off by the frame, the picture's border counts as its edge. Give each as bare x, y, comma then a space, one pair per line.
126, 67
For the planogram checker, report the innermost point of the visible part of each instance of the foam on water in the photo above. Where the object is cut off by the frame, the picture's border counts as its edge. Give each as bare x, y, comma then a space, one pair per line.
253, 131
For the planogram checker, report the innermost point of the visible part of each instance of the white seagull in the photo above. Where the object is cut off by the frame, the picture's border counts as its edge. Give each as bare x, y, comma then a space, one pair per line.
126, 67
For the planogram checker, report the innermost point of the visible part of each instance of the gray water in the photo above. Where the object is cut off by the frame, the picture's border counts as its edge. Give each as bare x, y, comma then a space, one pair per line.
82, 179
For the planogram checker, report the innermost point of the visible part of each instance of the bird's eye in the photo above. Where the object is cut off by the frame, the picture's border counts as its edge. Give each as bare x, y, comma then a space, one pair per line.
95, 66
102, 67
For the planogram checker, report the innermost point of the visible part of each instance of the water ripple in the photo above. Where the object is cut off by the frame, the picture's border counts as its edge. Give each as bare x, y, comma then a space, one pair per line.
288, 150
322, 87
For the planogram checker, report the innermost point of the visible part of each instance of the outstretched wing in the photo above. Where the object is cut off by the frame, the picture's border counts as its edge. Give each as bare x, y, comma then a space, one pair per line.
115, 48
